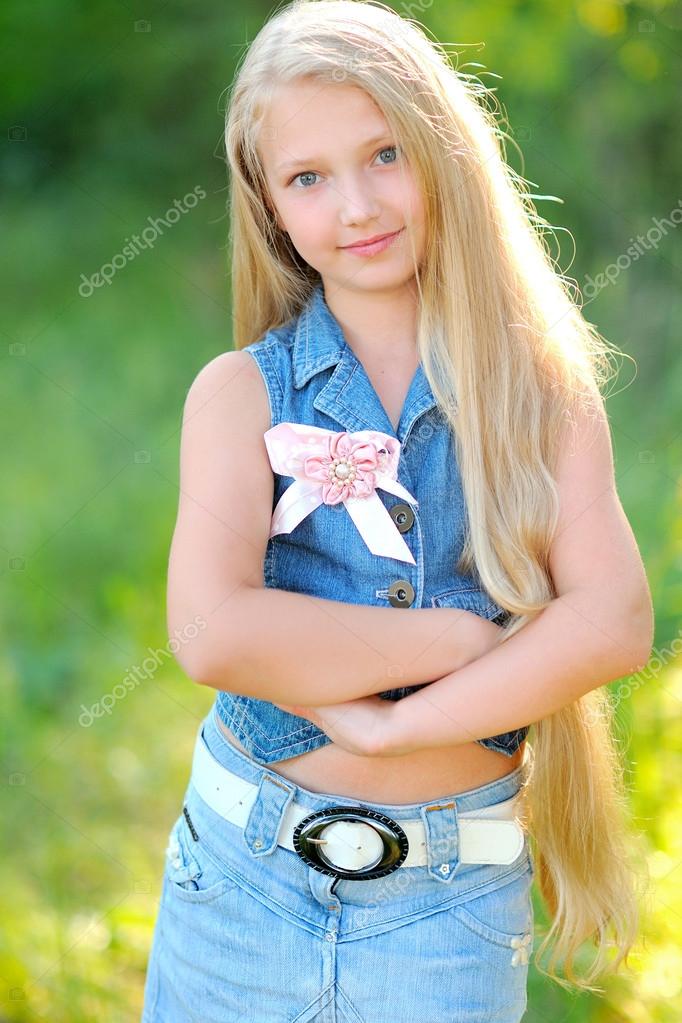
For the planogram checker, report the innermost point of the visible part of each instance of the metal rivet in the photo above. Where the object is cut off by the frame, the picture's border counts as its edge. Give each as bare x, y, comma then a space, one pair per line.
403, 516
401, 593
445, 868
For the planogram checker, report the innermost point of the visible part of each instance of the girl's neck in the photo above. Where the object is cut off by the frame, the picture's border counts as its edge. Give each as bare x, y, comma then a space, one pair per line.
377, 325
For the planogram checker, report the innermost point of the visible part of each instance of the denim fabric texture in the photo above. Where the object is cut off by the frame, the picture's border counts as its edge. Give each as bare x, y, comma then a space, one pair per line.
313, 377
246, 930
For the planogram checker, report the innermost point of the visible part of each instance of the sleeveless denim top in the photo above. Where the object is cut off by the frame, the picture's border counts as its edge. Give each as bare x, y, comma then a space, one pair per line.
313, 377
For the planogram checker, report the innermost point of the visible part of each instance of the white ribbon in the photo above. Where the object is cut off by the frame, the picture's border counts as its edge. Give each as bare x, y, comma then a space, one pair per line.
335, 466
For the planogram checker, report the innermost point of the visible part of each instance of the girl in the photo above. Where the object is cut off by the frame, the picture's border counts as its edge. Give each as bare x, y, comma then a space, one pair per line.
412, 420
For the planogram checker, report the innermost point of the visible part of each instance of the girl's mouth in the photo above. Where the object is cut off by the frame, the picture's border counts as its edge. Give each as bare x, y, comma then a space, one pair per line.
374, 247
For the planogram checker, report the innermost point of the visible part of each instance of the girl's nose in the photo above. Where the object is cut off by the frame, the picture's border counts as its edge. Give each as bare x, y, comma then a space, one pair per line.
357, 206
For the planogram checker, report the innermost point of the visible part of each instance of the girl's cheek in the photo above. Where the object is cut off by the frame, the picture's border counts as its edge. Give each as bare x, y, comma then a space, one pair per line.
412, 201
310, 228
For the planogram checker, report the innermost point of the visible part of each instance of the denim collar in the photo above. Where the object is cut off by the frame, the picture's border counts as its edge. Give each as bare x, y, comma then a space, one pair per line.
348, 396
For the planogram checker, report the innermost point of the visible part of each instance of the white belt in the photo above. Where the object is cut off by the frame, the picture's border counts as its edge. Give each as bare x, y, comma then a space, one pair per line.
490, 834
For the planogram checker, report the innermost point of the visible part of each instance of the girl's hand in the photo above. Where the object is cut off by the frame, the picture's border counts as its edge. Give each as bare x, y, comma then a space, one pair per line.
359, 726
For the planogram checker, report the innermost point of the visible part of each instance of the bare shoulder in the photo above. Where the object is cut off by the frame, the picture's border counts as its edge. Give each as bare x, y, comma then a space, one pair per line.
593, 545
223, 457
585, 467
225, 493
230, 381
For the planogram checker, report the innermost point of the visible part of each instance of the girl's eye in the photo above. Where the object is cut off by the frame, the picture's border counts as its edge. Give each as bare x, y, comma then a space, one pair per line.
304, 174
387, 149
312, 174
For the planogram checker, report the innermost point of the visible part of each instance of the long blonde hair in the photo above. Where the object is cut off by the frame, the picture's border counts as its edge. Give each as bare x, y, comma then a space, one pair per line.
508, 355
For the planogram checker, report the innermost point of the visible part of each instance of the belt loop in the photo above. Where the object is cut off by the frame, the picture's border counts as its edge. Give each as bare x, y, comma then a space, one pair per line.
265, 816
442, 839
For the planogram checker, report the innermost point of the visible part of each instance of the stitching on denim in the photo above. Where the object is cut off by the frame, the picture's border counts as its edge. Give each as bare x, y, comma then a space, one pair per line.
468, 596
277, 411
267, 375
237, 722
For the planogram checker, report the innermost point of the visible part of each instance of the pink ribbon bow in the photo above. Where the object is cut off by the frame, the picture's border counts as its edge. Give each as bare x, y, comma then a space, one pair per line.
331, 467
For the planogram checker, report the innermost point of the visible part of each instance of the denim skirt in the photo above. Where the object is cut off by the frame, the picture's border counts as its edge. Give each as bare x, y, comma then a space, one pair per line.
247, 930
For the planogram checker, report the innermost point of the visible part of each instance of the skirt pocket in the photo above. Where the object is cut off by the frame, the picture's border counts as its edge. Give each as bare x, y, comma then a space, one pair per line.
503, 916
192, 874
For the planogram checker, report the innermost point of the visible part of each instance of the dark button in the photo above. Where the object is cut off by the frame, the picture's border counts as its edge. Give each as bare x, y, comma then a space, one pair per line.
400, 593
403, 516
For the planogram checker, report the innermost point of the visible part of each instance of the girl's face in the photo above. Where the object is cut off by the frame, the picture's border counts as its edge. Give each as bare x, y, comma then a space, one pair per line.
336, 177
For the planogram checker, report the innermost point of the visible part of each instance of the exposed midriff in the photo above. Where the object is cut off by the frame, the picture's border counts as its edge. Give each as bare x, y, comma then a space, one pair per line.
409, 778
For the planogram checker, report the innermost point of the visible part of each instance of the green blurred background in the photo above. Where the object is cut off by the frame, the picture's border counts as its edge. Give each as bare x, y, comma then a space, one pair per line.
111, 112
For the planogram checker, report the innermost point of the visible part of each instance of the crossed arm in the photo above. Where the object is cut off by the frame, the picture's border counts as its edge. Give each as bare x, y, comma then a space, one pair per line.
581, 640
598, 628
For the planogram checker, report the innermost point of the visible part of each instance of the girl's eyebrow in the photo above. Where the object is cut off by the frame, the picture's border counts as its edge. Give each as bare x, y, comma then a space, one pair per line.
316, 159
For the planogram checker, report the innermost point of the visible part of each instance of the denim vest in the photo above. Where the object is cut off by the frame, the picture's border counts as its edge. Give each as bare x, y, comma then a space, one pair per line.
313, 377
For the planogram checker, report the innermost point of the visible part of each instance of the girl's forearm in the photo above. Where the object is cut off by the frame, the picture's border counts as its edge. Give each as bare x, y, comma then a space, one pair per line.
581, 640
292, 648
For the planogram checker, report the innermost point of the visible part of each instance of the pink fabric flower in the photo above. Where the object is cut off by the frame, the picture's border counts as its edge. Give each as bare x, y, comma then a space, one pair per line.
348, 468
332, 467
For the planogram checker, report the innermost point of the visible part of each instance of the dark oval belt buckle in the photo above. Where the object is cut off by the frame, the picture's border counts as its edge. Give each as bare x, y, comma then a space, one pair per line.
310, 844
